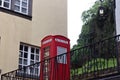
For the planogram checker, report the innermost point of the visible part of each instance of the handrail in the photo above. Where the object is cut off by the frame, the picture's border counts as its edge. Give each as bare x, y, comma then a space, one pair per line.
85, 63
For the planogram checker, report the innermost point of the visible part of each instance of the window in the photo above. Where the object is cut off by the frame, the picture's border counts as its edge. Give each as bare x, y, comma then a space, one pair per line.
46, 64
5, 4
29, 55
46, 52
21, 6
62, 58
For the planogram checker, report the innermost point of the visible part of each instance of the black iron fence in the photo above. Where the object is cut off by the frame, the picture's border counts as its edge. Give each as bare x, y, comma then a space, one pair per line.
51, 68
96, 60
93, 61
30, 72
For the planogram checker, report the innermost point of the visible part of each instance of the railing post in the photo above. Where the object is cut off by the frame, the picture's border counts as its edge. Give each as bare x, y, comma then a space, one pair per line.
118, 54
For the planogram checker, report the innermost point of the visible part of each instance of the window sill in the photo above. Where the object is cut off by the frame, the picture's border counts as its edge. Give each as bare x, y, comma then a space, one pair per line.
15, 13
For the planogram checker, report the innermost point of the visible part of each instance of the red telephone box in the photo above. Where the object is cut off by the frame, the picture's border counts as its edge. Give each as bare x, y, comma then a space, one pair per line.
55, 58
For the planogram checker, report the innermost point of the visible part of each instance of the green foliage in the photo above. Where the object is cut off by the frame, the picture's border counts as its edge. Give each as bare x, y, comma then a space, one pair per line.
95, 65
94, 28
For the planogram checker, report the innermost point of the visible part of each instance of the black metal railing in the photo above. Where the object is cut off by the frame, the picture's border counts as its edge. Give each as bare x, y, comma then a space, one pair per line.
93, 61
46, 69
29, 72
96, 60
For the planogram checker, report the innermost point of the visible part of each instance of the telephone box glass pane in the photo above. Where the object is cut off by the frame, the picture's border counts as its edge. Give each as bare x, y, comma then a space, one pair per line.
46, 63
62, 58
46, 52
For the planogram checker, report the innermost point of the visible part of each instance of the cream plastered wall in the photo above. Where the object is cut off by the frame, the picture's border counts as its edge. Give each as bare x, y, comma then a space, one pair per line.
49, 17
13, 30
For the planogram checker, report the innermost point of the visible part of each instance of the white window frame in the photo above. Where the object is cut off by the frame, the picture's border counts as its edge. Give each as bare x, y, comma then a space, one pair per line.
27, 7
29, 57
2, 4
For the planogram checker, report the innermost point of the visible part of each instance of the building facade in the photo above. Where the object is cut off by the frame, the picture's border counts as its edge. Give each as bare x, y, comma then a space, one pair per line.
117, 13
23, 23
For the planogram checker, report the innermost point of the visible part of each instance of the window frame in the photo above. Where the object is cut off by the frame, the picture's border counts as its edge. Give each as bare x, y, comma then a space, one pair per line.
3, 2
21, 7
28, 59
11, 10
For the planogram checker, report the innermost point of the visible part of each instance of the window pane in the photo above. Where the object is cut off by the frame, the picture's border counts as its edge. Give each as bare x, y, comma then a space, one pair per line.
0, 2
37, 51
24, 4
21, 54
17, 2
37, 57
31, 69
25, 68
32, 56
25, 55
31, 62
62, 58
20, 66
24, 0
21, 47
36, 70
25, 61
26, 48
20, 61
32, 50
17, 8
6, 4
24, 10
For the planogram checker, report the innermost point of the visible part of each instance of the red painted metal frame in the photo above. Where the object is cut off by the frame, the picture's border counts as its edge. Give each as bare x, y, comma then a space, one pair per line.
63, 70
